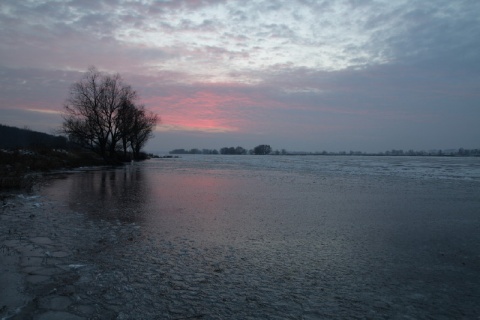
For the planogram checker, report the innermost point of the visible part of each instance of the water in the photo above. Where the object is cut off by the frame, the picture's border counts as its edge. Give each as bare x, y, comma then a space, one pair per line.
409, 167
300, 237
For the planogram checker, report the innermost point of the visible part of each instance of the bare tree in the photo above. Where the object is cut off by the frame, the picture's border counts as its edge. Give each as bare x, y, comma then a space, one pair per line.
143, 124
127, 113
101, 111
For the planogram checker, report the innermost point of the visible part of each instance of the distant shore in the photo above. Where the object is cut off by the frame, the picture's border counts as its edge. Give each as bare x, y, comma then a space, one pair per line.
461, 152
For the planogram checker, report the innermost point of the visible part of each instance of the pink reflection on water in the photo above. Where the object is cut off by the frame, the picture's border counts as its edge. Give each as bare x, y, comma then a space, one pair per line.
199, 205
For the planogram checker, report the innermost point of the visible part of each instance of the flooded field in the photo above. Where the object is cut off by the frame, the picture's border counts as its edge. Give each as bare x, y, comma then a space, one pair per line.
246, 237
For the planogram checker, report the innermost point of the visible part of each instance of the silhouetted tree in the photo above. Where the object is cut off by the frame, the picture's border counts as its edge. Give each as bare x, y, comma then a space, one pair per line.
143, 124
126, 114
233, 150
101, 111
226, 150
209, 151
240, 150
262, 149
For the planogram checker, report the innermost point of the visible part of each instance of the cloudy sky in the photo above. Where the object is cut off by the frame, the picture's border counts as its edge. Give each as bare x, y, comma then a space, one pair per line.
306, 75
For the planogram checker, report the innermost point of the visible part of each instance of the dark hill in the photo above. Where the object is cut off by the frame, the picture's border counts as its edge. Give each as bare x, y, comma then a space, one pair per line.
13, 138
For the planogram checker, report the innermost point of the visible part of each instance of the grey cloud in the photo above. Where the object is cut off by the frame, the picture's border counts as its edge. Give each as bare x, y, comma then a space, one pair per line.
391, 90
277, 31
26, 86
238, 15
99, 22
207, 25
67, 38
164, 7
429, 32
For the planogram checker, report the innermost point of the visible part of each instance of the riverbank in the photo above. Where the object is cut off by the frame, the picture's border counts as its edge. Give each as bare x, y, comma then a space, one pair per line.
22, 168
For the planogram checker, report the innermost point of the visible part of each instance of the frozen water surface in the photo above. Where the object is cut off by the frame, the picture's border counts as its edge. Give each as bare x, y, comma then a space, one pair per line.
287, 237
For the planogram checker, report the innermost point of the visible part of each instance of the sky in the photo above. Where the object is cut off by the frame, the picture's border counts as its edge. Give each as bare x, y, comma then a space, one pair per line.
300, 75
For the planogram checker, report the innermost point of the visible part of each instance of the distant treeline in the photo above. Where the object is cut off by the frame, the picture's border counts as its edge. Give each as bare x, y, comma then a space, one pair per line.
431, 153
225, 150
12, 138
267, 150
260, 149
194, 151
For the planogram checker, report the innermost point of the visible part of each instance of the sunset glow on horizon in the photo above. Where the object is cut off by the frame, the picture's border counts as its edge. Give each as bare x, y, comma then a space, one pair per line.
299, 75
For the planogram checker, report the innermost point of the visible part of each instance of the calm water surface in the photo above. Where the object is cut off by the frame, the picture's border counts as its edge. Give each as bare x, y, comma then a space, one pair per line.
297, 237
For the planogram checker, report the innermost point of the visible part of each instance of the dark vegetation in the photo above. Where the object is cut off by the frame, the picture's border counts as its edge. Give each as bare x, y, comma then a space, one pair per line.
233, 150
25, 153
194, 151
267, 150
261, 149
102, 114
12, 137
